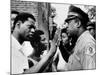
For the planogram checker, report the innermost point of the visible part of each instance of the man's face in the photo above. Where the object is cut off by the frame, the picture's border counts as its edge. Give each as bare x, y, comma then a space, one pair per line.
27, 29
44, 40
71, 27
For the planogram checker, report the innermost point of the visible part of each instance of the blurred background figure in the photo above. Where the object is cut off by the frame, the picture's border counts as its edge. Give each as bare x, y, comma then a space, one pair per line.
14, 13
92, 28
52, 24
64, 50
92, 13
64, 36
65, 45
39, 44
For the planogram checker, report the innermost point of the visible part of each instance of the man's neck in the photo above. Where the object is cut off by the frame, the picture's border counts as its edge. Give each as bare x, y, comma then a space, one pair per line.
18, 38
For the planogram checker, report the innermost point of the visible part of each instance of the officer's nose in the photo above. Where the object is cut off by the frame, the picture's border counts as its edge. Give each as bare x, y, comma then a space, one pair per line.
66, 25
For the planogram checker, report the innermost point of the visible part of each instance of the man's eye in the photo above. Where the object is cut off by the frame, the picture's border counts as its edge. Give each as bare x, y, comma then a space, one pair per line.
31, 26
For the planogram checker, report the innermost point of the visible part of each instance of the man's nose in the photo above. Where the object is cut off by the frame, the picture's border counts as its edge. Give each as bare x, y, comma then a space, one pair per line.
32, 30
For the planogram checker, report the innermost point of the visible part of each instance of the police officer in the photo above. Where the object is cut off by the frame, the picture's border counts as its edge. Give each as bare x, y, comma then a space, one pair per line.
84, 53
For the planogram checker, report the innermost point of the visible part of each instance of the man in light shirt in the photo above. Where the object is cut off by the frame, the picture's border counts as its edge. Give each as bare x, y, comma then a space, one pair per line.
24, 28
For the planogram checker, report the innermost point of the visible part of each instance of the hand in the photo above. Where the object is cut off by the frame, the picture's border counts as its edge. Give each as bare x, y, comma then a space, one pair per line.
55, 41
56, 38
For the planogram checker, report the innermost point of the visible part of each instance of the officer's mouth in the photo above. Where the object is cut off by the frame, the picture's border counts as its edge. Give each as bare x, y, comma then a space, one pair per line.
68, 33
30, 35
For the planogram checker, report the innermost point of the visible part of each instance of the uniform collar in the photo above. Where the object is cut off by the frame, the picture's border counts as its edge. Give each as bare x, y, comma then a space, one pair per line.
84, 35
16, 43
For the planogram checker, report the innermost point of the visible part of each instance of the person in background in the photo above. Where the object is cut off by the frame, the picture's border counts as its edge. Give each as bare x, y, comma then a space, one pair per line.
64, 50
92, 28
65, 45
84, 55
14, 13
39, 44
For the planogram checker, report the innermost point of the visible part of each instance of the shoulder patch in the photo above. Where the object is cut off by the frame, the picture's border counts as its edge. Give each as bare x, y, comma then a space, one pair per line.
90, 50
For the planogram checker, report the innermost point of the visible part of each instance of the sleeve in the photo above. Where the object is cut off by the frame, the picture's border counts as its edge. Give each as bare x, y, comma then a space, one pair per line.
89, 57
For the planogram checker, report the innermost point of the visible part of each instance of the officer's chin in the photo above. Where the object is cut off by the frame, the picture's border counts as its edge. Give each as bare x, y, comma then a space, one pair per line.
29, 38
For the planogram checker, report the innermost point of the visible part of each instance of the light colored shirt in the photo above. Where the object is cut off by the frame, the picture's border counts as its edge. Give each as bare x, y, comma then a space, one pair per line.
84, 56
62, 65
19, 61
27, 48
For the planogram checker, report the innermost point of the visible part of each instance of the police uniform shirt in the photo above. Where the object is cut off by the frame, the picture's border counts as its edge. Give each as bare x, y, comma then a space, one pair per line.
19, 61
84, 53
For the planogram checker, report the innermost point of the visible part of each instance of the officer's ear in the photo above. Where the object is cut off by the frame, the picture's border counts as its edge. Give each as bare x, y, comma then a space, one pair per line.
78, 22
18, 24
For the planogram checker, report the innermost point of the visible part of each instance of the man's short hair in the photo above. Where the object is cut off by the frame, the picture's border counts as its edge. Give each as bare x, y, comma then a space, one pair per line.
23, 17
14, 12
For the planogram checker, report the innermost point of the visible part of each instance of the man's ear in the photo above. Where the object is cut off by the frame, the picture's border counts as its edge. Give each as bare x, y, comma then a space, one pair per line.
18, 24
78, 23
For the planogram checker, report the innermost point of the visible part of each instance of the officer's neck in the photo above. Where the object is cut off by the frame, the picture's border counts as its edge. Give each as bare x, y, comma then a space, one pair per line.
80, 31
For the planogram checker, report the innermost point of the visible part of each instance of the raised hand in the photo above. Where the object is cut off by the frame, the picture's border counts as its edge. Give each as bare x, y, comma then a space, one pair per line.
56, 37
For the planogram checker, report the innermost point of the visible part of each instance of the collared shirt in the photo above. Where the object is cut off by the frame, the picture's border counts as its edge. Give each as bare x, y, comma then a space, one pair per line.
19, 61
27, 48
84, 56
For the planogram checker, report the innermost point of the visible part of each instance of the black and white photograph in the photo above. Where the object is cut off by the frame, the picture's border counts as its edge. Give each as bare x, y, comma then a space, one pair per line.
51, 37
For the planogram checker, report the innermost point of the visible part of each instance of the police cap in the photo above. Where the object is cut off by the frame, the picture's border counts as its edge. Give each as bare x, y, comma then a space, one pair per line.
75, 12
